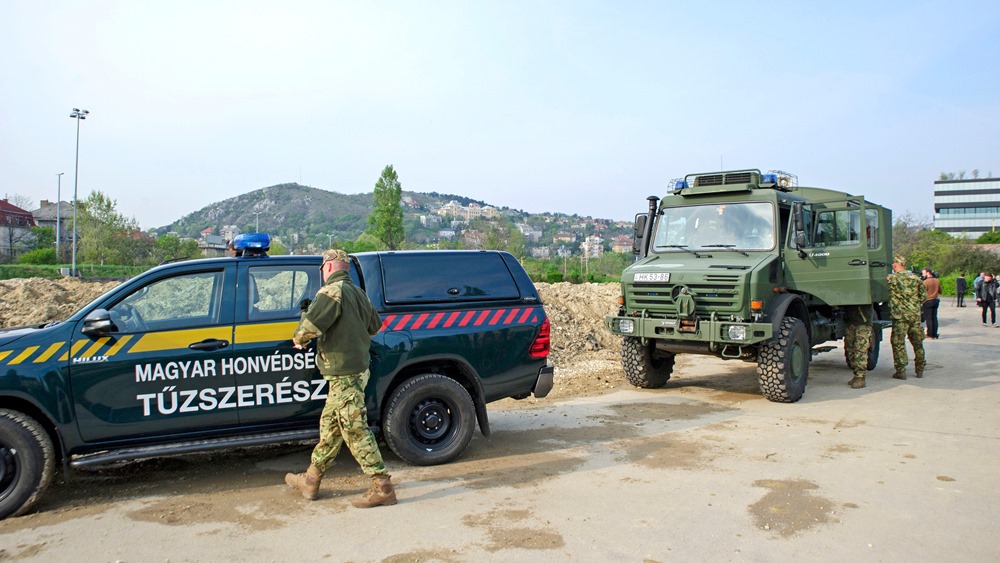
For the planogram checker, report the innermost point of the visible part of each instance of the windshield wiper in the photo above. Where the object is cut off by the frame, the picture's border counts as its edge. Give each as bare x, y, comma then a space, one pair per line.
726, 246
682, 247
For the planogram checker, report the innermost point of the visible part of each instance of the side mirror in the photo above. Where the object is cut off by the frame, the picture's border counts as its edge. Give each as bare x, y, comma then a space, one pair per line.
98, 322
639, 233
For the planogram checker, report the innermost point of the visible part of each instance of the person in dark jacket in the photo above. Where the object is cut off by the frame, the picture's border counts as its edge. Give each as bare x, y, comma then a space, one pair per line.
960, 290
986, 297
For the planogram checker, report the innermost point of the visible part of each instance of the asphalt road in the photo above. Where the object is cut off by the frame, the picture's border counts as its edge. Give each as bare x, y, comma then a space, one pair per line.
704, 469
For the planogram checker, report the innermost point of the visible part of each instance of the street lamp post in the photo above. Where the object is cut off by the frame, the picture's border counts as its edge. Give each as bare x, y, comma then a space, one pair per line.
77, 114
58, 206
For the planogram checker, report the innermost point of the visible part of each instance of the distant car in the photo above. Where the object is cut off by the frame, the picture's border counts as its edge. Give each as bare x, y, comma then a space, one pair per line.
197, 355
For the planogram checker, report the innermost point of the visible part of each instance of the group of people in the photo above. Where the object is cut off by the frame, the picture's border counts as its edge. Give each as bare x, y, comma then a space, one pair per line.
909, 299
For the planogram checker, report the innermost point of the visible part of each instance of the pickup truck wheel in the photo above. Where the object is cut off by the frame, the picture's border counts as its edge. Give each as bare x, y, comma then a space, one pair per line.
430, 420
27, 462
783, 366
643, 367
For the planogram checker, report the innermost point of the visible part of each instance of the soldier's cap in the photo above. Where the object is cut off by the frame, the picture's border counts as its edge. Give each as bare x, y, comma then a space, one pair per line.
900, 260
334, 254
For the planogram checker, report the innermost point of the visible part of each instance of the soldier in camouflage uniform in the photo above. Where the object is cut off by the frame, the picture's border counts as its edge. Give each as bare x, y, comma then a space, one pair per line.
857, 339
906, 296
343, 320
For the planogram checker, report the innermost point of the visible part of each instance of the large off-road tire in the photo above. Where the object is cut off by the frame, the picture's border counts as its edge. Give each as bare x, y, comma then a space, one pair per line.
27, 462
430, 420
783, 365
874, 343
643, 366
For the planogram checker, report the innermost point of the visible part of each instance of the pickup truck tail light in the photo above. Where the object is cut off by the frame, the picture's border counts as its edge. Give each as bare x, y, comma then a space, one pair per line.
540, 347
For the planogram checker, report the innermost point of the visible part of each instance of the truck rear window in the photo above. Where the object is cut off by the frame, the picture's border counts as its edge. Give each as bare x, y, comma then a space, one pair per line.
445, 277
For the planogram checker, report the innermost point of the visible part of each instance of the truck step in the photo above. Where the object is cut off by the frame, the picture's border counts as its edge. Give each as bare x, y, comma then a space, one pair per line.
192, 446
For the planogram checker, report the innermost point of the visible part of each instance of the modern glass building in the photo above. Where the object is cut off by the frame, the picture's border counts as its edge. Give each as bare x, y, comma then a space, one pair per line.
967, 207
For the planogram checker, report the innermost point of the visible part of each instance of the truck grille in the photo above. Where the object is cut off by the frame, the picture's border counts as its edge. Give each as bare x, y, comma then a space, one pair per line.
717, 292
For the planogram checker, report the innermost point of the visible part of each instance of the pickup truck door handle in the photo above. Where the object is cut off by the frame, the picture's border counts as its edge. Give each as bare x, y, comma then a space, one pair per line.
857, 262
878, 264
209, 344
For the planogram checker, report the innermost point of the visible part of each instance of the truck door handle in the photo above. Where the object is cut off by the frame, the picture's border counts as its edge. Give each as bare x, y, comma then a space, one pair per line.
209, 344
857, 262
878, 264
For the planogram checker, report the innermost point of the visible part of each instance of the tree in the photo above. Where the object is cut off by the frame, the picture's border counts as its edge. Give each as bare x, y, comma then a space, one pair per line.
106, 236
501, 235
44, 237
172, 247
385, 222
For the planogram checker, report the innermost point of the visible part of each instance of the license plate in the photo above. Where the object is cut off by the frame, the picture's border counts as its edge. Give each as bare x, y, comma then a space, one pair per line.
653, 277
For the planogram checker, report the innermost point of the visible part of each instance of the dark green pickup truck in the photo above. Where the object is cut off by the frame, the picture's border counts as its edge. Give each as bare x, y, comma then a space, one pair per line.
197, 355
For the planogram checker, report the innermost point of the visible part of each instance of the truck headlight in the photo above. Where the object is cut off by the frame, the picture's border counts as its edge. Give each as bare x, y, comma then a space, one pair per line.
737, 333
626, 326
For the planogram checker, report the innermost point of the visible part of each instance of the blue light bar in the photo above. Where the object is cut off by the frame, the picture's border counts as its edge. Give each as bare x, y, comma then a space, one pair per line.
769, 179
260, 241
680, 185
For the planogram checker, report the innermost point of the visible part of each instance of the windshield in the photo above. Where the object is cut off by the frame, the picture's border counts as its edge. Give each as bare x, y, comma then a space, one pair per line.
742, 226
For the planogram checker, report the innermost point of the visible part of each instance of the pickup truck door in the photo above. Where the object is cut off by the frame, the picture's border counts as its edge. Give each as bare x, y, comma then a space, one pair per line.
161, 369
835, 268
279, 385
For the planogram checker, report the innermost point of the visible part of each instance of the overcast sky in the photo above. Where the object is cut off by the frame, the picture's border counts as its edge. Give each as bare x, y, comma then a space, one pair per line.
564, 106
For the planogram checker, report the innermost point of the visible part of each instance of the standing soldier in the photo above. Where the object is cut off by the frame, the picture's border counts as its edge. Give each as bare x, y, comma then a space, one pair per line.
857, 339
906, 296
344, 320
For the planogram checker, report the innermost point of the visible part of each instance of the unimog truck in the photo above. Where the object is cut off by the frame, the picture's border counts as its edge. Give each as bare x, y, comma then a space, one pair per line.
750, 266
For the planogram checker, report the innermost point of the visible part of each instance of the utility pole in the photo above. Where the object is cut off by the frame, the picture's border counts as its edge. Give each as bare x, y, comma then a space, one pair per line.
78, 114
58, 207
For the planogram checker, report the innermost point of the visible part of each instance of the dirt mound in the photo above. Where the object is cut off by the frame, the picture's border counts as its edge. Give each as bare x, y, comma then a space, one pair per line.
32, 301
584, 352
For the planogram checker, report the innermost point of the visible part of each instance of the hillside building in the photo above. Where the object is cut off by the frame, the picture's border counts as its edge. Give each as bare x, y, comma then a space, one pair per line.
967, 208
592, 247
473, 211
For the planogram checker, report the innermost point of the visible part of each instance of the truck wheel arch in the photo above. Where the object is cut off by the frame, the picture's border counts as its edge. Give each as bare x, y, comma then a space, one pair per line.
456, 368
788, 304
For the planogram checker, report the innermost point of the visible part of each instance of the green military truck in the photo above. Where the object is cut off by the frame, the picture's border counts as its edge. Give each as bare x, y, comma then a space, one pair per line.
750, 266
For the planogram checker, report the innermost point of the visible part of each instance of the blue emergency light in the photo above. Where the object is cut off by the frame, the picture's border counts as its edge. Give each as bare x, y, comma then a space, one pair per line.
252, 241
769, 179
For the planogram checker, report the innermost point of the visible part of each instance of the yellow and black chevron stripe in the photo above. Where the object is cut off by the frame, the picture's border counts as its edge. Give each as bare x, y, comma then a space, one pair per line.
164, 341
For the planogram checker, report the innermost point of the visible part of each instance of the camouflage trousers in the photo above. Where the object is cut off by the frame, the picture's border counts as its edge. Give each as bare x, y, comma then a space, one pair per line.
857, 339
901, 330
345, 419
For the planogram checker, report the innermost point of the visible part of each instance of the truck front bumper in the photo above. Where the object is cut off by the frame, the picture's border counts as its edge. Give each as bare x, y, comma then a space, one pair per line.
715, 332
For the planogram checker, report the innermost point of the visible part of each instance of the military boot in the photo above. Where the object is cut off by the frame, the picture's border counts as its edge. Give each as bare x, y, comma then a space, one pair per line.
920, 373
900, 374
857, 383
381, 493
307, 483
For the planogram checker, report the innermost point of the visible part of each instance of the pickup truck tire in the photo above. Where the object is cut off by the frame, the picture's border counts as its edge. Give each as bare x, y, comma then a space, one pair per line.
783, 365
430, 420
27, 462
643, 368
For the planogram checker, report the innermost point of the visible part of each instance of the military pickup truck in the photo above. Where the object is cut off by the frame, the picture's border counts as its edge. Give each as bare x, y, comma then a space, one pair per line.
750, 266
197, 355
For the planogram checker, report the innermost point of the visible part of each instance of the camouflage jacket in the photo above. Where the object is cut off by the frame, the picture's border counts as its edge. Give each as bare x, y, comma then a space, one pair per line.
343, 320
906, 296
